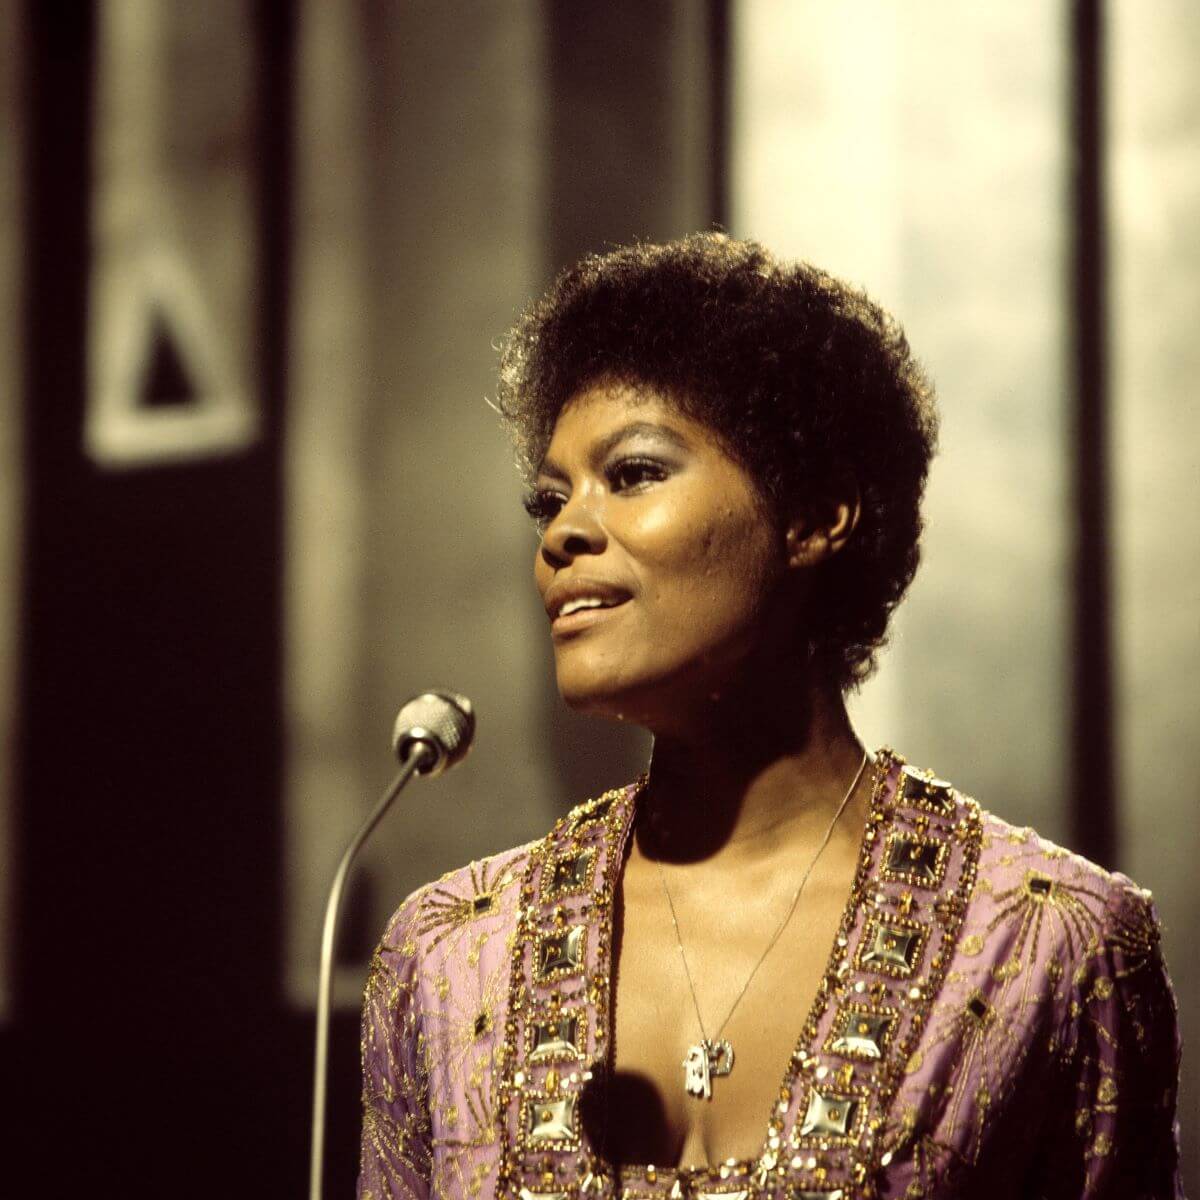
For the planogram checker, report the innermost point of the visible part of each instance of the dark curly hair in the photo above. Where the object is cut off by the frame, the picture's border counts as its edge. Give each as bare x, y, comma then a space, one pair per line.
801, 377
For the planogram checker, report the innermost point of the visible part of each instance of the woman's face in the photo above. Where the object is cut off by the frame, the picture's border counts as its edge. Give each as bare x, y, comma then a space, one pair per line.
659, 564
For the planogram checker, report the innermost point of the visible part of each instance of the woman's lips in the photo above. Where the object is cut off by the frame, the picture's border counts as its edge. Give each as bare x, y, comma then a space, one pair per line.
582, 619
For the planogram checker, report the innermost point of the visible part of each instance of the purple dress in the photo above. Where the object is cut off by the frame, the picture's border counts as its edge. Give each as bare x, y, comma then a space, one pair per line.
994, 1021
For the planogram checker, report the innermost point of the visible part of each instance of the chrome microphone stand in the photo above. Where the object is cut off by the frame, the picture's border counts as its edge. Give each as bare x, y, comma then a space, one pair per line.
419, 756
433, 731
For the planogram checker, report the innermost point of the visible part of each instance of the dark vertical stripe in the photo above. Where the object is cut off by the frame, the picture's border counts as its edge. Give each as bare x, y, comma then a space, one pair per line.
274, 101
59, 62
720, 78
1093, 759
611, 124
149, 800
610, 153
57, 54
57, 170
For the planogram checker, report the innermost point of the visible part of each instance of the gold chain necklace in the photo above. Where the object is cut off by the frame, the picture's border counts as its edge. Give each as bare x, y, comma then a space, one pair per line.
710, 1058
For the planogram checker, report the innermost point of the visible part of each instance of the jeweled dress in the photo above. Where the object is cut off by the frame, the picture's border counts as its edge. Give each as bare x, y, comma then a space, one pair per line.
995, 1021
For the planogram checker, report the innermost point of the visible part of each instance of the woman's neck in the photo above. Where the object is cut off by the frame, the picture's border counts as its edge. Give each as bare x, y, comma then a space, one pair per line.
751, 779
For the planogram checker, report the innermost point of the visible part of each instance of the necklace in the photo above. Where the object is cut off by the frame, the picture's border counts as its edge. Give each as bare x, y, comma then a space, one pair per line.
712, 1057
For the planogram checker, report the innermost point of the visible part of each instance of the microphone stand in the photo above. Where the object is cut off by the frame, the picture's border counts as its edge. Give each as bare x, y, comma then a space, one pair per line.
420, 754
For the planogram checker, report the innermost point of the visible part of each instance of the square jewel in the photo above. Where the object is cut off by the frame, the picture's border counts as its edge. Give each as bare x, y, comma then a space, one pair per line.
571, 873
550, 1122
830, 1116
916, 860
860, 1032
558, 1038
561, 954
891, 947
979, 1010
1038, 886
933, 795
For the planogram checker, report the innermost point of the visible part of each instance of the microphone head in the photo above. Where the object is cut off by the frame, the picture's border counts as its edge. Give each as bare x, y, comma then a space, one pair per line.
443, 721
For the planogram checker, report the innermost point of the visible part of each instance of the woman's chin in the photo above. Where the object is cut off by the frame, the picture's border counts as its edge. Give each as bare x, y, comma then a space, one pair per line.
648, 699
592, 701
663, 701
598, 694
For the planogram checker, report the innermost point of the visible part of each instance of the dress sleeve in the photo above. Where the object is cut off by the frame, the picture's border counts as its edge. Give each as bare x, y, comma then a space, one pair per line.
1119, 1137
395, 1157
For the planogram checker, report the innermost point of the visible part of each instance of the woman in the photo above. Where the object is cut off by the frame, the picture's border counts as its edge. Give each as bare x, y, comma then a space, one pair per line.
777, 965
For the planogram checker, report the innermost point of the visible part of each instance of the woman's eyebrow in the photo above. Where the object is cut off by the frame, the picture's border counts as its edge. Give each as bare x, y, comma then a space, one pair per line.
609, 442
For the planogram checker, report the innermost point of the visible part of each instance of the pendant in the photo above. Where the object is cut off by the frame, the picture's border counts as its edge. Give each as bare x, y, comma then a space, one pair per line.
705, 1062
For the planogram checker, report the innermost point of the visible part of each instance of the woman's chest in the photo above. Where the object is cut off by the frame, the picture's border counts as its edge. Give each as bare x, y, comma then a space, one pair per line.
810, 1105
708, 1011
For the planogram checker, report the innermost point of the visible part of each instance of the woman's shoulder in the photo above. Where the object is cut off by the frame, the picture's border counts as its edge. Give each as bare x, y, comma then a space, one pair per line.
477, 894
1012, 867
1019, 867
1029, 907
484, 896
1053, 1014
1067, 934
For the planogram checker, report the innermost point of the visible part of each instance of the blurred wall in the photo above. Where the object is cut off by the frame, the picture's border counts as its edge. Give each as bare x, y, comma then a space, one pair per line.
1153, 119
450, 158
405, 533
253, 258
171, 367
920, 151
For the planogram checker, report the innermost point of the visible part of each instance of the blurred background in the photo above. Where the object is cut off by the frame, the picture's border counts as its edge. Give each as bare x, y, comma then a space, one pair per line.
254, 258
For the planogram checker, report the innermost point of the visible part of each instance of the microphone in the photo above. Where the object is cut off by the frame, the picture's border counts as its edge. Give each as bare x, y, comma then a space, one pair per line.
432, 732
443, 722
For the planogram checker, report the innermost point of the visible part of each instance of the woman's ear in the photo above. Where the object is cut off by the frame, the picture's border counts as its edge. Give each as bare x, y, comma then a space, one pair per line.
825, 526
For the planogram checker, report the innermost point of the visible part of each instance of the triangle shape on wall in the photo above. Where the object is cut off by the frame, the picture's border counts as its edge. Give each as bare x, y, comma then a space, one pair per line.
166, 381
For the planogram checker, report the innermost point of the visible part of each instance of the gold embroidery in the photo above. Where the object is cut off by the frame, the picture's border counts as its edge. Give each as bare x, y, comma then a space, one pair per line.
599, 826
846, 1115
444, 911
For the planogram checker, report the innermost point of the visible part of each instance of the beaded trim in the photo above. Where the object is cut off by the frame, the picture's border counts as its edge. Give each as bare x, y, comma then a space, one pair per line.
544, 1153
889, 959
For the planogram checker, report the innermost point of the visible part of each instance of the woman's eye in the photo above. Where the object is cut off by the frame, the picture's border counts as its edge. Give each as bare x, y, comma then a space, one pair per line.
631, 472
543, 506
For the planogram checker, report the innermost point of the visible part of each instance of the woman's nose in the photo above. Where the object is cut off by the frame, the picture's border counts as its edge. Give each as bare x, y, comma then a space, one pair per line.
575, 530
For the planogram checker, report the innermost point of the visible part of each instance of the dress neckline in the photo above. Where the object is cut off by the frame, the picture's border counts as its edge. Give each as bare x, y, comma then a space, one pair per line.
914, 874
770, 1126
